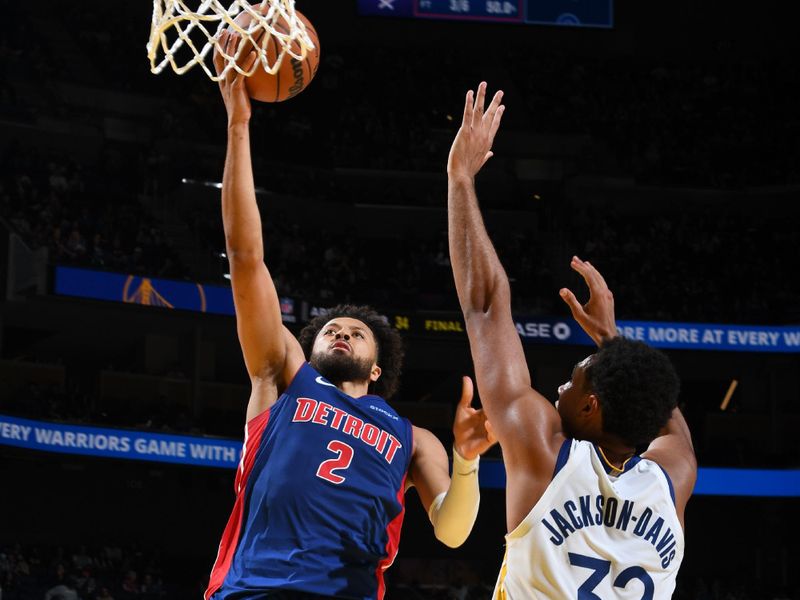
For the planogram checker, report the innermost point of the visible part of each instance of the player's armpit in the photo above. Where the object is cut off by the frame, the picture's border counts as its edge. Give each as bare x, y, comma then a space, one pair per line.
674, 452
263, 394
265, 391
294, 357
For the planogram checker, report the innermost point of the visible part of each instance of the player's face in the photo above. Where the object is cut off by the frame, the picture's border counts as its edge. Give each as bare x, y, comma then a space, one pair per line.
346, 337
572, 397
346, 350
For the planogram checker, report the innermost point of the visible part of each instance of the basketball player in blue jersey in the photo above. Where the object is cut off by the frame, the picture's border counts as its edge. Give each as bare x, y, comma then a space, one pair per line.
587, 516
326, 461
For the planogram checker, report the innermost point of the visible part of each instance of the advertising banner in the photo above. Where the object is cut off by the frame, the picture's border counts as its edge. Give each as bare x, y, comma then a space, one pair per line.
151, 291
119, 443
218, 299
214, 452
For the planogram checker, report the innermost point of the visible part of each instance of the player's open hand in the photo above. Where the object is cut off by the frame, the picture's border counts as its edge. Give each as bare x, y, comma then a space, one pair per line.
473, 434
596, 317
232, 86
473, 144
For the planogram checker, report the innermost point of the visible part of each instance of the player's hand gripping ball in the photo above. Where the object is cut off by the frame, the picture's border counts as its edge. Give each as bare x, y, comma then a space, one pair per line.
293, 76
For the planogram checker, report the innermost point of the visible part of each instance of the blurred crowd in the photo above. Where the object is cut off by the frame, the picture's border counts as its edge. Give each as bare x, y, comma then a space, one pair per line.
112, 572
711, 587
700, 266
713, 121
77, 403
719, 122
711, 124
717, 267
80, 573
83, 219
692, 266
710, 121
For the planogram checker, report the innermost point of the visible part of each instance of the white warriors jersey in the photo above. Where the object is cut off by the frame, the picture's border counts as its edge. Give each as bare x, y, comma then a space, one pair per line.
597, 533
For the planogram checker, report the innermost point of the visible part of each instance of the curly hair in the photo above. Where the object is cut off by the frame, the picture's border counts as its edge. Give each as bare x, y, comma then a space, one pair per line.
389, 343
637, 388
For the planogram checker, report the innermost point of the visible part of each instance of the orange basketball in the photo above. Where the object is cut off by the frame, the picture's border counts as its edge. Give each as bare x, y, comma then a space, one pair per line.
293, 76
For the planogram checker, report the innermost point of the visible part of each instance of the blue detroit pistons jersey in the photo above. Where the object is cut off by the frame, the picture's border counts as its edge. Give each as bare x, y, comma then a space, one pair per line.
319, 496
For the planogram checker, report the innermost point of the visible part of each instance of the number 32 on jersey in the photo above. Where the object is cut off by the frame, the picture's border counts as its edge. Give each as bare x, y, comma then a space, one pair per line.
601, 568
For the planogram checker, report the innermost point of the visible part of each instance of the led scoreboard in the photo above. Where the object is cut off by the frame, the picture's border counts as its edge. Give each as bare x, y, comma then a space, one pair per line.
574, 13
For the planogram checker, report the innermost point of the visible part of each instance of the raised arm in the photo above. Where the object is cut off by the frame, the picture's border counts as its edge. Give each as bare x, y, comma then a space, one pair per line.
271, 354
673, 449
526, 424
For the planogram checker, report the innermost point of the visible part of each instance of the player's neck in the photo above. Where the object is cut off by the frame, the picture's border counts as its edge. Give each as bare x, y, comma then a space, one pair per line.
615, 453
356, 389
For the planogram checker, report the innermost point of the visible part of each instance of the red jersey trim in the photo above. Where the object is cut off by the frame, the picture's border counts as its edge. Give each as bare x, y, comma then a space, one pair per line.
393, 544
253, 432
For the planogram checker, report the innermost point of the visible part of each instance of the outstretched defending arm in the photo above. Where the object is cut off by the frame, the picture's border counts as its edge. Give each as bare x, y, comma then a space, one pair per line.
673, 449
271, 353
526, 424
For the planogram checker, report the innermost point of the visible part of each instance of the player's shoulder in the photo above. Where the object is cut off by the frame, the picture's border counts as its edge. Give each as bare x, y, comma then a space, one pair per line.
424, 438
584, 452
308, 381
681, 471
426, 447
385, 411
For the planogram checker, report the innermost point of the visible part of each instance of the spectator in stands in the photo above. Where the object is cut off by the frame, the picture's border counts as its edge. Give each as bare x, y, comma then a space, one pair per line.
63, 591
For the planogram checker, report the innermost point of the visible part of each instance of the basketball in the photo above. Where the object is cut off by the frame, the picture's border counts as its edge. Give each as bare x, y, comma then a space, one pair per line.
293, 76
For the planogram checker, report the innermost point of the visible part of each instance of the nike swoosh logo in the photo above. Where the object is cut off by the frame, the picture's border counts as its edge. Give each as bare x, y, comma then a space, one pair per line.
321, 381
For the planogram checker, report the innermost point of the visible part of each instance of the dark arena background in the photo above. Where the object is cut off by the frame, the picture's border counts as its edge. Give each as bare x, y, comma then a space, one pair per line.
662, 143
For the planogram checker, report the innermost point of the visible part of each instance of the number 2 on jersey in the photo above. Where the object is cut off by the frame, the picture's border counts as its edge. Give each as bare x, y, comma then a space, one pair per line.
344, 456
601, 568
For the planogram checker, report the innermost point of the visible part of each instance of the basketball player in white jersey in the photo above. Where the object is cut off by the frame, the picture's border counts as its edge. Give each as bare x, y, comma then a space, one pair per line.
587, 516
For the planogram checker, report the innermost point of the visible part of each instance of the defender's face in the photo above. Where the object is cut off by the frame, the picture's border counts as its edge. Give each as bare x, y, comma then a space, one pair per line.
571, 398
346, 337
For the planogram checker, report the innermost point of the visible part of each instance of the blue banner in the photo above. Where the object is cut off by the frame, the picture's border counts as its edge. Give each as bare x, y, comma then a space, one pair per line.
217, 299
682, 336
119, 443
706, 336
710, 481
210, 452
150, 291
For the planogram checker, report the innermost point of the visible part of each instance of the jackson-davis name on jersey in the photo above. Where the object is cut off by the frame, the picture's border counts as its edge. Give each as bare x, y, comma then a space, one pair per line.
321, 413
591, 512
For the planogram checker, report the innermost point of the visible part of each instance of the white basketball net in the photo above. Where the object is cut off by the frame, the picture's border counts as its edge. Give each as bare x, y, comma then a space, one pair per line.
182, 37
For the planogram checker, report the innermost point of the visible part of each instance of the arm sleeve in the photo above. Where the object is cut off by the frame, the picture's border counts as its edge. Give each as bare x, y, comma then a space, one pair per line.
453, 512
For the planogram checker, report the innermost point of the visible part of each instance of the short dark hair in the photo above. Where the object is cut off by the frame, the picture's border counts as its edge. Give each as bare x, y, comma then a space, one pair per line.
637, 388
389, 342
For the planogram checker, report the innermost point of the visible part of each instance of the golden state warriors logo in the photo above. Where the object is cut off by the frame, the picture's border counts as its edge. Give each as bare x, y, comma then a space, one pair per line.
166, 294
